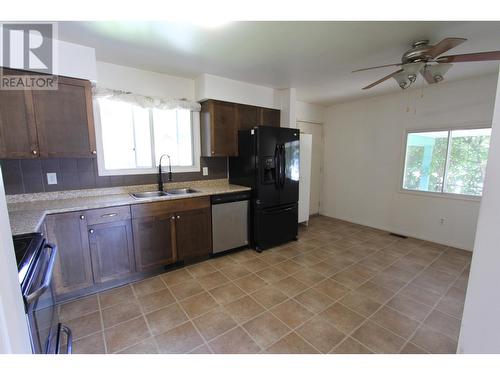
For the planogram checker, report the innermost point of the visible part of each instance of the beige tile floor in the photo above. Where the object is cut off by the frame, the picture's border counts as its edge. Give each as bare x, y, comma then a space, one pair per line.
342, 288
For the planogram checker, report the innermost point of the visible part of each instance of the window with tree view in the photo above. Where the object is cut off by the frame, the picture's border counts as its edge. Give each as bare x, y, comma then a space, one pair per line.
447, 161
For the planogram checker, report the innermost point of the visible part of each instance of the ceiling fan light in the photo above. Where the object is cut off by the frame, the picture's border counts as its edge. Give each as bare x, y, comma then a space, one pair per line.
438, 71
438, 78
402, 80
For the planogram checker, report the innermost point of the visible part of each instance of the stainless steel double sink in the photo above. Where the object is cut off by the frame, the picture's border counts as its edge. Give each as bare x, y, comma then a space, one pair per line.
154, 194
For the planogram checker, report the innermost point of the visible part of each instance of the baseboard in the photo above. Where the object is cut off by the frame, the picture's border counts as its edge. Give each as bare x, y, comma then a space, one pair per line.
393, 230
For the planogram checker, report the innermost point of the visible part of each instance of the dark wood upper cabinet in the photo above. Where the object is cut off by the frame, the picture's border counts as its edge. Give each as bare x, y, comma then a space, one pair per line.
194, 234
248, 116
219, 128
270, 117
220, 122
64, 119
112, 250
18, 138
47, 123
73, 267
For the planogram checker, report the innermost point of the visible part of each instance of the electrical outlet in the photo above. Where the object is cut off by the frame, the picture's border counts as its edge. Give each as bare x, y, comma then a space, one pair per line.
205, 171
442, 221
52, 178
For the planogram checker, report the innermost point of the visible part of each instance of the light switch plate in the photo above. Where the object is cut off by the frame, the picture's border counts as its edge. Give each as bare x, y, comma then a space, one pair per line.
52, 178
205, 171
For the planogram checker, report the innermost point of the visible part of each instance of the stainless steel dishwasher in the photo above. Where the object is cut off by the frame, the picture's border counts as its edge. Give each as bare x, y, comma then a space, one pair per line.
230, 213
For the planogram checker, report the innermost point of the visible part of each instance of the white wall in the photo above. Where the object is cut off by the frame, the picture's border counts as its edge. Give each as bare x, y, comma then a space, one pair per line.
14, 336
72, 60
214, 87
287, 102
481, 318
363, 160
76, 61
307, 112
144, 82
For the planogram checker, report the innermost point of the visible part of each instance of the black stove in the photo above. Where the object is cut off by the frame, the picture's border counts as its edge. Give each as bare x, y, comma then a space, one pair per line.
26, 247
35, 263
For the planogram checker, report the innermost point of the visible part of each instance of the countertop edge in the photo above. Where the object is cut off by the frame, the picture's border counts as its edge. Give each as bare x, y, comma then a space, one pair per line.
24, 221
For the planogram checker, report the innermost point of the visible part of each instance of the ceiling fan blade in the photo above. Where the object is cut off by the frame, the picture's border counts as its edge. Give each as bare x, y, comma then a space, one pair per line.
375, 67
382, 79
427, 76
445, 45
469, 57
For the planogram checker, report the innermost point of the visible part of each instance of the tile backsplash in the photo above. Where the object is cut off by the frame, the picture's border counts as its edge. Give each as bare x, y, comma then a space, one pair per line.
22, 176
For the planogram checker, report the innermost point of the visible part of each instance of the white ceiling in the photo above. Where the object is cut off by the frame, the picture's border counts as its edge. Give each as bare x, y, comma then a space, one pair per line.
314, 57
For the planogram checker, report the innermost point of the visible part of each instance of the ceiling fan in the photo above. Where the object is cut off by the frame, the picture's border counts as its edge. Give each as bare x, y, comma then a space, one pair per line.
424, 58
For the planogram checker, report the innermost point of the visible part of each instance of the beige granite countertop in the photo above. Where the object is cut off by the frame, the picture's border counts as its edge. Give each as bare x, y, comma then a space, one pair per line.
27, 211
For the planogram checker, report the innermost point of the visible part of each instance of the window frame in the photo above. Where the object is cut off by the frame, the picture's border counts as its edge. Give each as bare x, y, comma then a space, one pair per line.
102, 171
449, 129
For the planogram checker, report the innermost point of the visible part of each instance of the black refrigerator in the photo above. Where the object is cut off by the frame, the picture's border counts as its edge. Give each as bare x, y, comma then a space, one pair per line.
268, 162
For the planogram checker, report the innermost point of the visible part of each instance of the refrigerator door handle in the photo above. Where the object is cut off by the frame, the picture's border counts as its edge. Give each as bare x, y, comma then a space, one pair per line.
277, 166
283, 169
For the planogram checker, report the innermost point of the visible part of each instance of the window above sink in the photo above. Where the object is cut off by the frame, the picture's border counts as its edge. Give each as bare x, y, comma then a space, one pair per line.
131, 139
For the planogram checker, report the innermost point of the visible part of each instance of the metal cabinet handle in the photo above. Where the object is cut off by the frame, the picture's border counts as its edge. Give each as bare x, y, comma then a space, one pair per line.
178, 217
48, 274
82, 217
94, 152
91, 231
69, 339
34, 152
173, 218
110, 215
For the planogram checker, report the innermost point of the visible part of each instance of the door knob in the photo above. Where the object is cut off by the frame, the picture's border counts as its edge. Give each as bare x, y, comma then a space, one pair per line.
34, 152
82, 217
91, 231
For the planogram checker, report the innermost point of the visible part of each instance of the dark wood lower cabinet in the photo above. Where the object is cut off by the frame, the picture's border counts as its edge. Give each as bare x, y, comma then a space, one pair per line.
73, 267
154, 241
112, 250
194, 234
104, 248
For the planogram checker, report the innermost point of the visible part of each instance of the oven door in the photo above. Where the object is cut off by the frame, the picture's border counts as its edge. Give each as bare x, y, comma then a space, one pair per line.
47, 335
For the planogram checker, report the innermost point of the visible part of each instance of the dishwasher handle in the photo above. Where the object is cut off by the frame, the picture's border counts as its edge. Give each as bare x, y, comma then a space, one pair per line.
230, 197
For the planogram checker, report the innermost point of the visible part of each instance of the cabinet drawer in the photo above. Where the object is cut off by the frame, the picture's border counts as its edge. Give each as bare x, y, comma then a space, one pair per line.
106, 215
170, 206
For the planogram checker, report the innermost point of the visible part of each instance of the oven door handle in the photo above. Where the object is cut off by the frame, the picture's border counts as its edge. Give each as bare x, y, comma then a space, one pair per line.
48, 274
69, 339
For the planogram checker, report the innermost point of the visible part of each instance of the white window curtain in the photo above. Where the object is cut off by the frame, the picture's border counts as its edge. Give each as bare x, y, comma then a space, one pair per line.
145, 101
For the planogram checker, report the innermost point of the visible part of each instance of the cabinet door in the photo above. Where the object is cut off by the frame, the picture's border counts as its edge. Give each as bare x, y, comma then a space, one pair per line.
17, 125
224, 129
270, 117
194, 234
248, 116
154, 241
112, 250
64, 119
73, 269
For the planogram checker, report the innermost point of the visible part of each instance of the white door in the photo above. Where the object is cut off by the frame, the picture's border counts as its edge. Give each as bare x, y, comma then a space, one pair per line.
316, 130
305, 176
